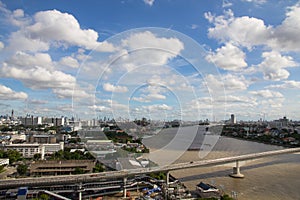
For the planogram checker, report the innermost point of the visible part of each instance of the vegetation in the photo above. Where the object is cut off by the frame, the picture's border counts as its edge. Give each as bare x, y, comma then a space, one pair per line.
159, 176
98, 168
1, 168
67, 155
224, 197
78, 170
42, 197
12, 155
37, 156
22, 169
120, 137
260, 133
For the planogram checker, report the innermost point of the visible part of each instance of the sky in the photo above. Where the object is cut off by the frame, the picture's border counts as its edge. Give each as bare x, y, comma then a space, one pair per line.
163, 60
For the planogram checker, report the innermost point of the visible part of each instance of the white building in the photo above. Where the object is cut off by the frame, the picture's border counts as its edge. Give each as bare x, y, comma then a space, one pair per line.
4, 161
28, 150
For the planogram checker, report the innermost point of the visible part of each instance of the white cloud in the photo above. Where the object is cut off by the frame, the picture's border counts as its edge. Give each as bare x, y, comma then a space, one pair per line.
286, 35
19, 41
274, 64
157, 107
267, 94
226, 3
69, 62
246, 31
70, 93
290, 84
53, 25
54, 28
147, 48
7, 93
18, 13
256, 1
1, 45
112, 88
149, 98
38, 77
194, 26
228, 57
250, 31
229, 82
24, 60
149, 2
151, 93
36, 101
148, 39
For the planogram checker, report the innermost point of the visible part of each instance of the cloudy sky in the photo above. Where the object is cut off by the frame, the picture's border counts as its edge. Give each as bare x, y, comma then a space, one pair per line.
169, 59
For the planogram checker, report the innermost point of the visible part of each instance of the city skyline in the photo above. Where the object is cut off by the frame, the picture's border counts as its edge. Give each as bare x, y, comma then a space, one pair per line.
96, 59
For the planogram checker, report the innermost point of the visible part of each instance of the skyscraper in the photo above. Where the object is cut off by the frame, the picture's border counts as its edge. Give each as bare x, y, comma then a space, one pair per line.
232, 119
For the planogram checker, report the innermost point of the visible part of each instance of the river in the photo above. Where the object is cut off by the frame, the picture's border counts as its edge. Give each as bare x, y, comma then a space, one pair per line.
276, 177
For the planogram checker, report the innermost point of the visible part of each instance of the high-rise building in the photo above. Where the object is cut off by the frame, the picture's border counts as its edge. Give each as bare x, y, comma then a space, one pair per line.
232, 119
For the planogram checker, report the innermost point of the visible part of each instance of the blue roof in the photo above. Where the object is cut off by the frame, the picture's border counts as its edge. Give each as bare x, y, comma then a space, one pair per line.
22, 191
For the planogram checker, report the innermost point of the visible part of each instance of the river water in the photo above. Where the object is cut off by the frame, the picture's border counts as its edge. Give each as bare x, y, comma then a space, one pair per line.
276, 177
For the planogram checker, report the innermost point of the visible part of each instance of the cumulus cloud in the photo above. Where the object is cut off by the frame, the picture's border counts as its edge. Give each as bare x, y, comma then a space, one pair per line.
52, 27
274, 64
157, 107
70, 93
150, 93
69, 62
267, 94
229, 82
228, 57
147, 48
7, 93
19, 41
256, 1
290, 84
250, 31
246, 31
149, 2
112, 88
38, 77
25, 60
286, 35
1, 45
36, 101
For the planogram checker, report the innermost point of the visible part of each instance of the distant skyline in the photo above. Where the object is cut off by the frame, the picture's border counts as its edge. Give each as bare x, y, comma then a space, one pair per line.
74, 59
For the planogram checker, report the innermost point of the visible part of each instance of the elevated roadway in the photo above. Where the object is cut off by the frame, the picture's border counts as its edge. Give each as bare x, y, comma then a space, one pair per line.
85, 178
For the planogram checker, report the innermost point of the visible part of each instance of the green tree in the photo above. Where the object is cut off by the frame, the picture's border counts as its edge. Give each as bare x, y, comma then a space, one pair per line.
226, 197
22, 169
78, 170
98, 168
13, 156
1, 168
37, 156
44, 197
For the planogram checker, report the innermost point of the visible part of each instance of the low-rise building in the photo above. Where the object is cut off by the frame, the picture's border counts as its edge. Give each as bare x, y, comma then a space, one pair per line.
42, 139
4, 161
28, 150
60, 167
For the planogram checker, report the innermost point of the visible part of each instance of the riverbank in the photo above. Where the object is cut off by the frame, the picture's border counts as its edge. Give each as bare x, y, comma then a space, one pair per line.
275, 177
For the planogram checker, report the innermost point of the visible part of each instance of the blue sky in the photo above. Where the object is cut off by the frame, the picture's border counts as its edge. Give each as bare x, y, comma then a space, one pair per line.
169, 59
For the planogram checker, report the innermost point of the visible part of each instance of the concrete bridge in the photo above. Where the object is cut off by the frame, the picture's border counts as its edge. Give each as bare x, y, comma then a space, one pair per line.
124, 174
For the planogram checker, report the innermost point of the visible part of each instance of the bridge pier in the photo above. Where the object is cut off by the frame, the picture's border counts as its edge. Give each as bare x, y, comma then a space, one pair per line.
80, 191
236, 171
124, 187
167, 178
